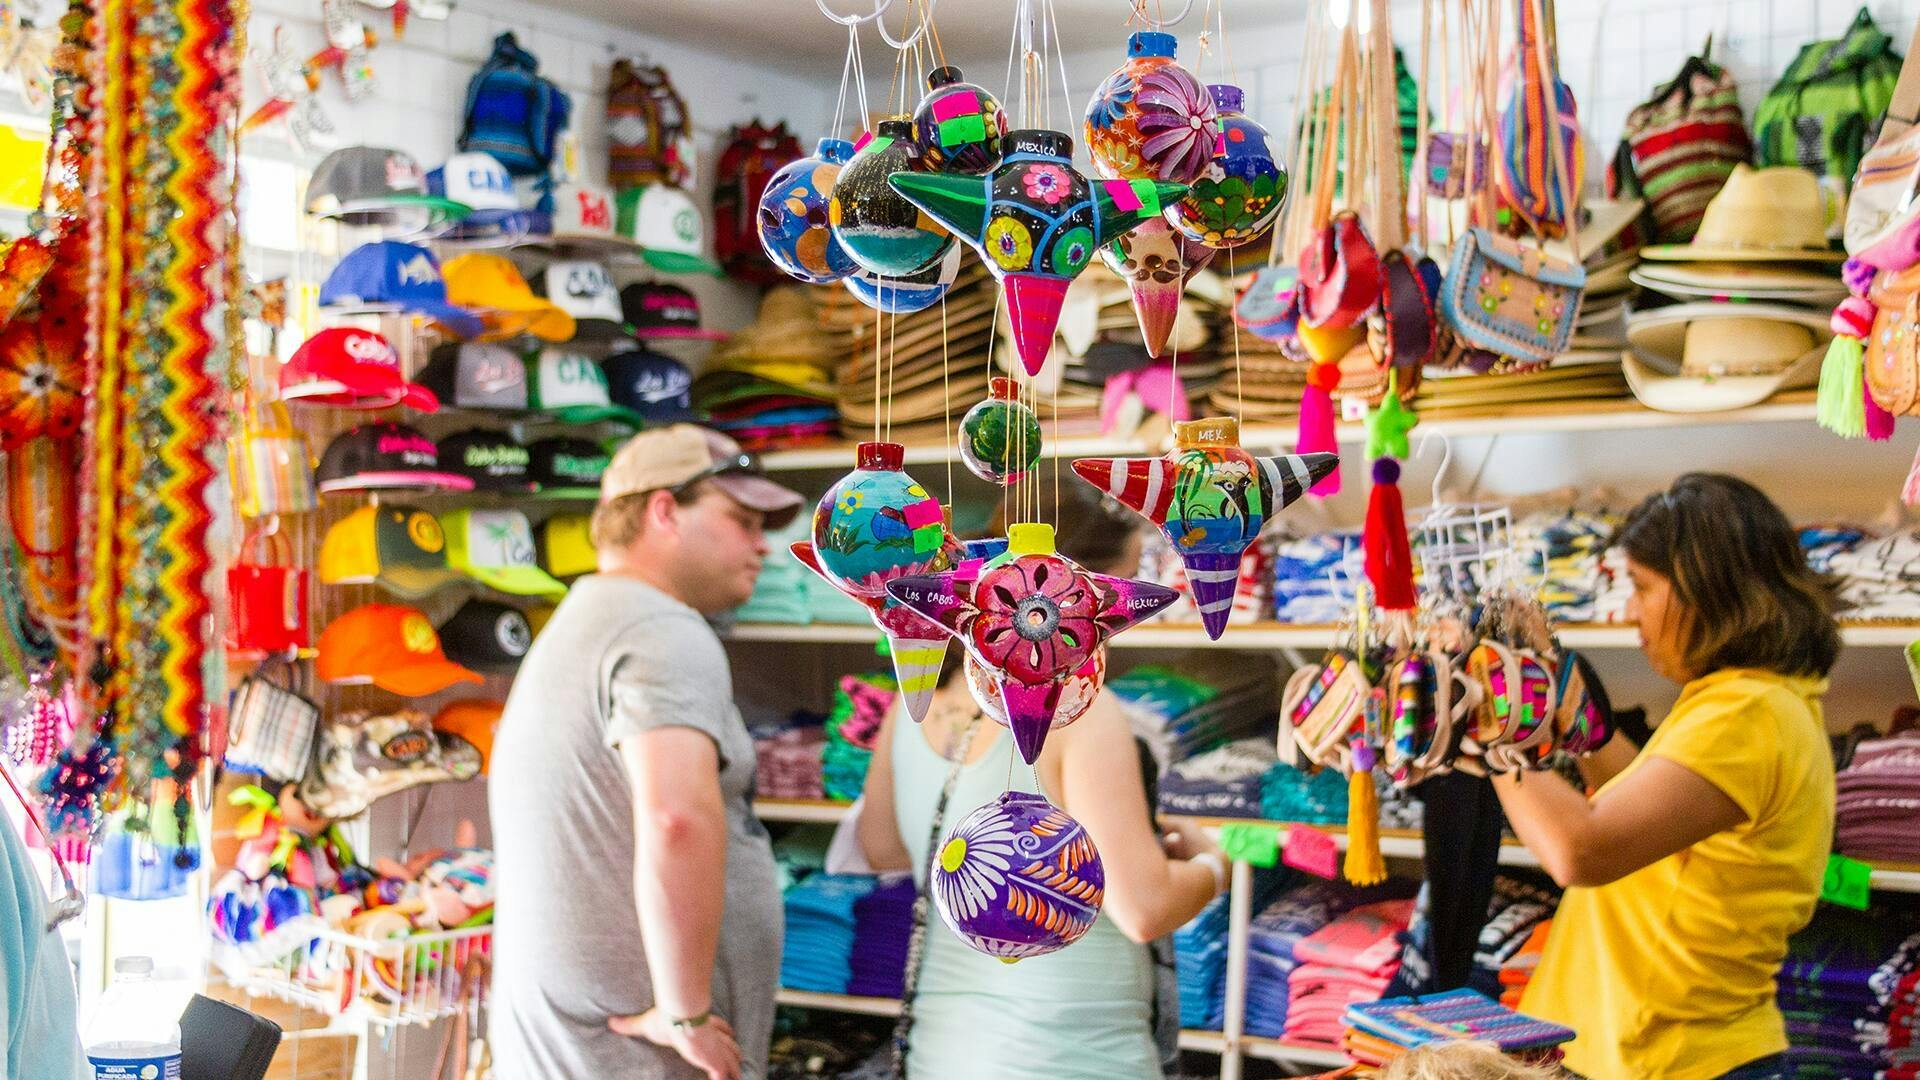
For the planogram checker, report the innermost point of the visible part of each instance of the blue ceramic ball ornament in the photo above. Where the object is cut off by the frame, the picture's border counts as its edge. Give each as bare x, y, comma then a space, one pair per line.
793, 216
1238, 194
903, 296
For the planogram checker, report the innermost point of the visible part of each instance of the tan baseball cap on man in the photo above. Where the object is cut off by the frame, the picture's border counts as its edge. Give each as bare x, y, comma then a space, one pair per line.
679, 455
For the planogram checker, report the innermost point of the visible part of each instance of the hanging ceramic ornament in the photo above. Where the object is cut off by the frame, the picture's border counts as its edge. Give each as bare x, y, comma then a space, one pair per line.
1032, 618
1018, 878
1157, 263
1151, 119
880, 229
793, 216
1035, 222
1211, 498
1000, 437
1076, 695
958, 125
871, 527
903, 296
1239, 193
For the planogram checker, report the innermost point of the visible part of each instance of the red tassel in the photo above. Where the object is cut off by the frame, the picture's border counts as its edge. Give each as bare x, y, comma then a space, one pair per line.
1316, 434
1389, 555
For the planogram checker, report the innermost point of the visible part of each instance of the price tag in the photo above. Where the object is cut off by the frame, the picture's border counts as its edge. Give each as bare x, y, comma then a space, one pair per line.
1849, 881
1311, 850
1353, 410
1248, 842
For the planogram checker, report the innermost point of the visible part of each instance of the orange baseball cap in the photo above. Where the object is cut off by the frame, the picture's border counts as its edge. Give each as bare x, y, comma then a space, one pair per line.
392, 646
474, 721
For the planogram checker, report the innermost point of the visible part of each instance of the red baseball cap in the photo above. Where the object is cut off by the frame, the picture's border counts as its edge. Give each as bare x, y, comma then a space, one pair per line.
351, 369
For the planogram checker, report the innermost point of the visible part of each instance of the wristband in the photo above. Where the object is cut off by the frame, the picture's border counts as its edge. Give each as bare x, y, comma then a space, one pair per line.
691, 1022
1212, 861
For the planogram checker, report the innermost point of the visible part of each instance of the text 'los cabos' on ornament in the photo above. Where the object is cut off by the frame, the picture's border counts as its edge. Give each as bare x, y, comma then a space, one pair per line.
1211, 498
1032, 618
875, 525
1035, 222
1018, 878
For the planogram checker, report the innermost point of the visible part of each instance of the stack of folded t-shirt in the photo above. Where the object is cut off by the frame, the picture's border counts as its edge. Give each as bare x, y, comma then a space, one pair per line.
1200, 966
820, 931
1561, 554
1880, 578
1252, 595
1220, 783
1301, 910
788, 762
1290, 794
1181, 714
1313, 577
1850, 992
1518, 908
859, 706
1516, 971
1381, 1031
1877, 806
882, 929
1351, 959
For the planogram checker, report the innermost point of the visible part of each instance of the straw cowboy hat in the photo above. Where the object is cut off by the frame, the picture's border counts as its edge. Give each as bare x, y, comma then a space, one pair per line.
1750, 280
1773, 214
1707, 357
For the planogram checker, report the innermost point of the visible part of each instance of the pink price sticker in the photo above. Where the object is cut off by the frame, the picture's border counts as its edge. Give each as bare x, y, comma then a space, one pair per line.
1309, 849
955, 105
1123, 195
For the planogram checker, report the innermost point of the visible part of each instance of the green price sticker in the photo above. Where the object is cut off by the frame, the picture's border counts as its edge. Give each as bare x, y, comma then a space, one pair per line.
1250, 843
1848, 882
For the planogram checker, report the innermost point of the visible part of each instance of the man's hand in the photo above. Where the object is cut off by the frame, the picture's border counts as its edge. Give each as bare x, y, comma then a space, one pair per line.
708, 1047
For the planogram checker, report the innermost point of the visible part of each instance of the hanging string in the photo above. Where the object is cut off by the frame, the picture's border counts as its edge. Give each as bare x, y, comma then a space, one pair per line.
946, 400
893, 328
1239, 381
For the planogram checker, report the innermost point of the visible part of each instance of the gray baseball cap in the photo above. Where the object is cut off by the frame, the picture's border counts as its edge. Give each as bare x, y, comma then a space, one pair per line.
376, 187
476, 375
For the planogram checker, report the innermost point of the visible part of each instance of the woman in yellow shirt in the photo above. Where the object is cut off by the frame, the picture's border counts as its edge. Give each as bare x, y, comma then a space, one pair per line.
1698, 855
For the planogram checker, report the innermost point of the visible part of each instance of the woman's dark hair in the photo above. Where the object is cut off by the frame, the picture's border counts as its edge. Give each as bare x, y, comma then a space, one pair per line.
1747, 597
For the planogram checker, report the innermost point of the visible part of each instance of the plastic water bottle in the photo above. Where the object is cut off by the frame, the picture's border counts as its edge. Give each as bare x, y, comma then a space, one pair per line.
134, 1034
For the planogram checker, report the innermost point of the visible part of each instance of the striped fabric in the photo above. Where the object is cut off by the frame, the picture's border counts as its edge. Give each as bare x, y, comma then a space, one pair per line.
1678, 147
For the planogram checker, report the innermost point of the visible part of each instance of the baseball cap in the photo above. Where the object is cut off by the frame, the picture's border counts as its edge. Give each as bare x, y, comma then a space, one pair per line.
568, 468
491, 285
389, 275
583, 289
473, 722
659, 310
399, 547
656, 386
566, 545
667, 225
377, 187
493, 460
495, 548
487, 636
582, 221
672, 457
571, 386
391, 646
384, 455
351, 369
476, 375
479, 182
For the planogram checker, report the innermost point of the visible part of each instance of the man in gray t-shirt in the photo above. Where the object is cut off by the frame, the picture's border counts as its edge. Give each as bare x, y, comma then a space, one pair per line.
638, 922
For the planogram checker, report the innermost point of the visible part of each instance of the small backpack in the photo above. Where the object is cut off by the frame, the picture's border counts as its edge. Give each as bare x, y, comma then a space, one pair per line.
753, 154
1679, 146
512, 112
647, 128
1824, 112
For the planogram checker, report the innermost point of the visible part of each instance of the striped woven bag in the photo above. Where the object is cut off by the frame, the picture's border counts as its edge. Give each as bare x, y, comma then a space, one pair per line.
1679, 145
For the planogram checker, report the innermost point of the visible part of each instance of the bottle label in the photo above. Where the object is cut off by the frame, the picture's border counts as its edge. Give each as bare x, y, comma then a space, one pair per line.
160, 1066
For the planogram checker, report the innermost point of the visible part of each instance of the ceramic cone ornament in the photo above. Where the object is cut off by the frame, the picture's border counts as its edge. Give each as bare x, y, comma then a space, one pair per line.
1238, 195
1036, 222
873, 526
958, 125
793, 216
903, 296
1018, 878
1211, 498
1151, 119
1032, 618
1000, 437
883, 232
1076, 694
1157, 263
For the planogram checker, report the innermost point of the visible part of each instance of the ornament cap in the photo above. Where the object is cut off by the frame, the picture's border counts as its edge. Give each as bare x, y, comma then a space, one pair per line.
890, 456
1030, 538
896, 128
1039, 142
1152, 43
1207, 431
833, 151
944, 76
1001, 388
1227, 98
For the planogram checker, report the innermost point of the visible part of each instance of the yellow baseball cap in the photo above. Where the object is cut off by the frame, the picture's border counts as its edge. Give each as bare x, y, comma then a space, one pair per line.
566, 545
491, 285
495, 548
398, 547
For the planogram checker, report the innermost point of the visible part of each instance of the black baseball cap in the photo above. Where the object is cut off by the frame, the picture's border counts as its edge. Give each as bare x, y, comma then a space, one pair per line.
487, 636
565, 468
476, 375
385, 455
655, 385
658, 310
493, 460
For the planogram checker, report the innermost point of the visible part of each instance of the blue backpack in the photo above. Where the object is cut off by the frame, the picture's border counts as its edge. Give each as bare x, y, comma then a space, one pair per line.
513, 113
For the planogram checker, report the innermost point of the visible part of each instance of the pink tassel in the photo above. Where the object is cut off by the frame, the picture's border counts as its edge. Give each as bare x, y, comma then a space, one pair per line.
1910, 494
1316, 435
1879, 421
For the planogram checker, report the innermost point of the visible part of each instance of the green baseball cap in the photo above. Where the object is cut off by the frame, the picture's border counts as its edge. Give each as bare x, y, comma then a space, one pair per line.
667, 225
495, 548
569, 385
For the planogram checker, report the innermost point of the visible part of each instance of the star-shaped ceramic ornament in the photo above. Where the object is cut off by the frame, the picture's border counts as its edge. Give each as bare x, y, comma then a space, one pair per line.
1032, 618
1211, 498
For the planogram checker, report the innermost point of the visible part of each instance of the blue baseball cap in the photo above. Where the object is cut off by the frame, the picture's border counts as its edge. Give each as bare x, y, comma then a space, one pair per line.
388, 275
656, 386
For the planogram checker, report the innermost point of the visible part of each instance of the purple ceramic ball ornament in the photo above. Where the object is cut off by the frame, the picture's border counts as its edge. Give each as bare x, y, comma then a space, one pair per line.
958, 125
881, 230
903, 296
793, 216
1000, 437
1238, 195
1151, 119
1018, 878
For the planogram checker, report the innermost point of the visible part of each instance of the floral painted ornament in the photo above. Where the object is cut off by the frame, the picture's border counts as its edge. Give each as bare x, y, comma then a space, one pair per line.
873, 526
1211, 498
1018, 878
1151, 119
1036, 222
1238, 194
1157, 263
1000, 437
793, 216
1077, 694
958, 125
1032, 618
882, 231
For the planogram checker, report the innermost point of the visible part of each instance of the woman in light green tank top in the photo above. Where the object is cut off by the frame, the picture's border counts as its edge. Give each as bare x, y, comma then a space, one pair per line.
1085, 1011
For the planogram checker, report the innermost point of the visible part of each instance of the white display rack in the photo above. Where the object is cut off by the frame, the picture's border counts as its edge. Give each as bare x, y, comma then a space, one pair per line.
393, 983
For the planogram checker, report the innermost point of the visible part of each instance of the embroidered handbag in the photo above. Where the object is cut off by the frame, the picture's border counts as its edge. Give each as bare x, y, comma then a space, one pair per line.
1892, 366
272, 464
1339, 275
1583, 717
1883, 208
1322, 705
270, 728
